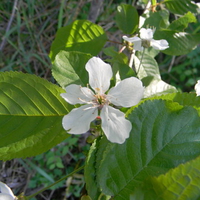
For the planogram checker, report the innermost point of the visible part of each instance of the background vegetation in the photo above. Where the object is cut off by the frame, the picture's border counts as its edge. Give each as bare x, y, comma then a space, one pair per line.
27, 29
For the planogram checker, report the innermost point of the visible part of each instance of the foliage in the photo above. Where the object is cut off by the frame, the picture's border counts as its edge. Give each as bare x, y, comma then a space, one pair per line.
155, 145
184, 178
160, 159
54, 162
81, 35
126, 13
29, 104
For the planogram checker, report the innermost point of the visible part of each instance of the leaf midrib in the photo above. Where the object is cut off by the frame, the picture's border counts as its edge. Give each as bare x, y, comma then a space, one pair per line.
151, 159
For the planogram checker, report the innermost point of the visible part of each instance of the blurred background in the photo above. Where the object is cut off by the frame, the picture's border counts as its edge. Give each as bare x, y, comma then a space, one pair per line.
27, 29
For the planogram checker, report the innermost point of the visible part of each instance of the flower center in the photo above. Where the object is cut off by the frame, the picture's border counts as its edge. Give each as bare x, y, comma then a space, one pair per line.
146, 43
100, 100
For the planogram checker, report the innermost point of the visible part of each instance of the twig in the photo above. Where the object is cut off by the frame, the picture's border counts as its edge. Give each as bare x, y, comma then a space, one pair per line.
9, 24
95, 8
172, 63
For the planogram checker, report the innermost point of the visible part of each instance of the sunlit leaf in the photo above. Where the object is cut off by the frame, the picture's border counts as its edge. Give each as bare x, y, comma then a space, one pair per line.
81, 35
31, 112
184, 99
181, 23
164, 134
182, 182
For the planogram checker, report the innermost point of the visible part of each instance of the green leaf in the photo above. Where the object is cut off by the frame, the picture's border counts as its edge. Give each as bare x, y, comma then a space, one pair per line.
127, 18
179, 43
92, 162
59, 165
153, 2
31, 111
123, 70
147, 67
115, 56
182, 23
148, 72
81, 35
184, 99
180, 6
69, 68
119, 63
90, 176
157, 87
164, 135
183, 182
158, 20
85, 197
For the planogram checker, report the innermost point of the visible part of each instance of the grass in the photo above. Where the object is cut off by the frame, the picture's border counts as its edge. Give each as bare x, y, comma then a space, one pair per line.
28, 40
33, 28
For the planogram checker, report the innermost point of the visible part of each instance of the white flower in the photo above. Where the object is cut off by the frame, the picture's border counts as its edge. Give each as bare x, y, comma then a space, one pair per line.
197, 88
5, 192
126, 93
146, 40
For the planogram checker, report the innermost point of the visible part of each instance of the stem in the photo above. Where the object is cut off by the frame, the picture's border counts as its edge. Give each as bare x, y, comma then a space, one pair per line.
122, 49
141, 60
114, 42
40, 191
131, 59
172, 63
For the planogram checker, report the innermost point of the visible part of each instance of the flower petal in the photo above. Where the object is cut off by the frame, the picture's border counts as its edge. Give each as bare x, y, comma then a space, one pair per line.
5, 190
197, 88
79, 119
77, 94
131, 39
126, 93
138, 45
159, 44
6, 197
137, 42
88, 93
114, 124
146, 34
100, 74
